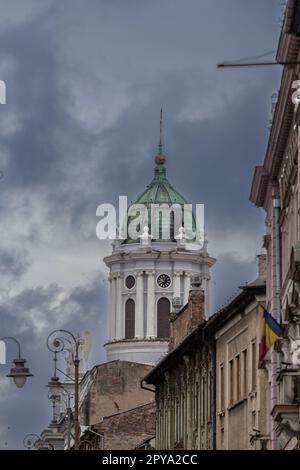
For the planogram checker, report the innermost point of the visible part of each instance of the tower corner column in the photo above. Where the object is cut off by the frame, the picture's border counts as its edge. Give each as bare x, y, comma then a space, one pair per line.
139, 308
187, 286
111, 330
119, 306
151, 311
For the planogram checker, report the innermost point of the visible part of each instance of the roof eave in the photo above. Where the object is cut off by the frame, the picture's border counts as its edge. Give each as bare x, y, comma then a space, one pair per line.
259, 186
287, 51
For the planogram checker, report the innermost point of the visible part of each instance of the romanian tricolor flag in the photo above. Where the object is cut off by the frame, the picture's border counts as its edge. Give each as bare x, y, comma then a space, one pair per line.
271, 330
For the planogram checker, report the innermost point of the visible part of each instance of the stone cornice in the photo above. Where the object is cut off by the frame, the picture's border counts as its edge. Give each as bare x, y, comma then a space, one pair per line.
287, 42
282, 123
288, 51
259, 186
196, 257
175, 256
278, 140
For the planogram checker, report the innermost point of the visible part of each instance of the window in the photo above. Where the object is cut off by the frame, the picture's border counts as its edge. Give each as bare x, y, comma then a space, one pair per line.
209, 396
231, 383
129, 319
222, 397
254, 364
203, 399
245, 381
130, 282
238, 377
196, 407
163, 320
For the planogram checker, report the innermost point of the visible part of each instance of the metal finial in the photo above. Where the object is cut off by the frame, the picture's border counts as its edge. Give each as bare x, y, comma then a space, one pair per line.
160, 158
160, 132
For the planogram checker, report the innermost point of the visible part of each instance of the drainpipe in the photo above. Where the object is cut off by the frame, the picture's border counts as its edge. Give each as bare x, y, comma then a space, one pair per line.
275, 364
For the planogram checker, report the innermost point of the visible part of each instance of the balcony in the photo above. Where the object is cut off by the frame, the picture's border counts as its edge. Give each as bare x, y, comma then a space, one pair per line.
287, 412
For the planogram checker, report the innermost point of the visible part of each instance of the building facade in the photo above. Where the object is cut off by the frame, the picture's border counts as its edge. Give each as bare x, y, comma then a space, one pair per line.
106, 392
110, 388
276, 188
184, 381
241, 387
146, 274
210, 392
122, 431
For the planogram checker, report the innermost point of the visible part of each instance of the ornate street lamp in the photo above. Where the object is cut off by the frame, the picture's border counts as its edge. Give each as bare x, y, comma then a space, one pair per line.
19, 373
57, 342
56, 392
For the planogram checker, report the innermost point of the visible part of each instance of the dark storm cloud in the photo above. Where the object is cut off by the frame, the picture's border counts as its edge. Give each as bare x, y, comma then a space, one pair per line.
38, 309
211, 161
85, 82
32, 94
241, 273
13, 264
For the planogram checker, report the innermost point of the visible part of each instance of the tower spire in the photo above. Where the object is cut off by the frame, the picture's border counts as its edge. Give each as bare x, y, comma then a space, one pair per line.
160, 132
160, 158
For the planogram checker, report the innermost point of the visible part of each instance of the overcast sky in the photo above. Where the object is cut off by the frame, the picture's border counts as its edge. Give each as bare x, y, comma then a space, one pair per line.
85, 82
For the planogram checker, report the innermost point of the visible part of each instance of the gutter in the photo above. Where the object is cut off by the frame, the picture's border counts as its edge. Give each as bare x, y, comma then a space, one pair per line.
146, 388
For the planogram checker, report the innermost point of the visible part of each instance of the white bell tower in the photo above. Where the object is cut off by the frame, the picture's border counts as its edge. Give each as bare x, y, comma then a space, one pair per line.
146, 275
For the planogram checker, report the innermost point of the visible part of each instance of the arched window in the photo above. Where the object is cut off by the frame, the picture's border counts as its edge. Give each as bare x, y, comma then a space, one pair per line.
129, 319
163, 318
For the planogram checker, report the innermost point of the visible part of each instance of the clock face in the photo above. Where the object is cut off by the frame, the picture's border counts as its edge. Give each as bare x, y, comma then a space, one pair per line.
163, 281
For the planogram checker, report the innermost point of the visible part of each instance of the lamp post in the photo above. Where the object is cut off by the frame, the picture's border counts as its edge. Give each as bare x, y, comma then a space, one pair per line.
57, 342
56, 391
19, 373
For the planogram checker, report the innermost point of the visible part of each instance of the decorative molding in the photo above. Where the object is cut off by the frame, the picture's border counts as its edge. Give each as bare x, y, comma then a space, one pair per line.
259, 186
178, 273
189, 274
288, 170
139, 273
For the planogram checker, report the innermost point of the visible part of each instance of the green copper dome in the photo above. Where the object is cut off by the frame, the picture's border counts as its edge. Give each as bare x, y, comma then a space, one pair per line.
160, 192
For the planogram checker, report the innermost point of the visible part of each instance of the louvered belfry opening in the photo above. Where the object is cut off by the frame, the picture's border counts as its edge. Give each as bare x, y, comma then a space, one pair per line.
163, 318
129, 319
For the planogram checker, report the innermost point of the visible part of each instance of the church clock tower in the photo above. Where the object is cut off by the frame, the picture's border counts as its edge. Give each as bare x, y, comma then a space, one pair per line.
146, 275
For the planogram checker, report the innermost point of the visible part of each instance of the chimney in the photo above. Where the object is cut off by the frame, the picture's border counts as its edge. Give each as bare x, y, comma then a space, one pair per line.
190, 316
262, 266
